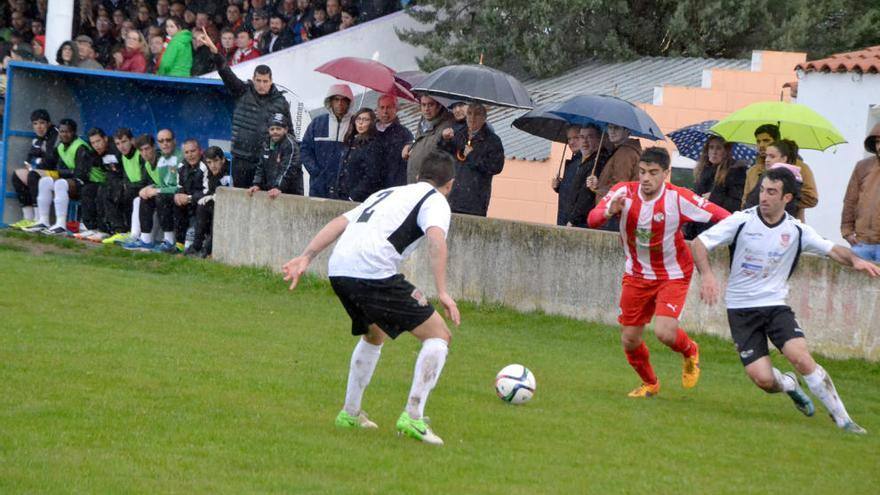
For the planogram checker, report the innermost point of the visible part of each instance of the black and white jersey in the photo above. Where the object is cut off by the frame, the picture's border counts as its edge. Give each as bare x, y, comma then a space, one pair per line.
385, 229
763, 256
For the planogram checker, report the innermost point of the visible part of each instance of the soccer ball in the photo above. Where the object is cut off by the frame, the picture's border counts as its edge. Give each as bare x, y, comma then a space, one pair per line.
515, 384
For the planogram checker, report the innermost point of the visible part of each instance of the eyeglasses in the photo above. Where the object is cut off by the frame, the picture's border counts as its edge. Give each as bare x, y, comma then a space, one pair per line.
166, 140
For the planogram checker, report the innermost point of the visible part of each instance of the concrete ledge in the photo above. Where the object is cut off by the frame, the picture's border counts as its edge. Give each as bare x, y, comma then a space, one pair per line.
564, 271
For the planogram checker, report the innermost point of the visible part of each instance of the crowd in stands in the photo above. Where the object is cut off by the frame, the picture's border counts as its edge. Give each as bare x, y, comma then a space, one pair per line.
156, 36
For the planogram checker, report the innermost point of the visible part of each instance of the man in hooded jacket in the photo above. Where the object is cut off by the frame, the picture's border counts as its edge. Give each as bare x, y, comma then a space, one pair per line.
322, 144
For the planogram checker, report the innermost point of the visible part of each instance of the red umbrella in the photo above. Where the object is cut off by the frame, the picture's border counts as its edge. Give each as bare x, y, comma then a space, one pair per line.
368, 73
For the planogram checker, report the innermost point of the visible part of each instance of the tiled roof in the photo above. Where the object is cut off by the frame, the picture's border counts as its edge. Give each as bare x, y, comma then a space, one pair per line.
865, 61
634, 81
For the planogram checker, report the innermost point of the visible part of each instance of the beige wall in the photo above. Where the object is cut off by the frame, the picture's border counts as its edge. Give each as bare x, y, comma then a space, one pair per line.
559, 270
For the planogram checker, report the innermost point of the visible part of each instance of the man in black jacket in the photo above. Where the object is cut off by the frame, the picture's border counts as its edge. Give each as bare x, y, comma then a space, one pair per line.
190, 176
591, 162
480, 156
256, 101
279, 170
564, 186
216, 176
278, 37
392, 136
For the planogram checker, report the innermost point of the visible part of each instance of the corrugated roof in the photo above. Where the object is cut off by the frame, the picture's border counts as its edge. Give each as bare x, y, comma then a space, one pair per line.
866, 61
634, 81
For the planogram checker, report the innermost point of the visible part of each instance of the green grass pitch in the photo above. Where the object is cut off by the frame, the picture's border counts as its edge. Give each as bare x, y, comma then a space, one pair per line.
123, 373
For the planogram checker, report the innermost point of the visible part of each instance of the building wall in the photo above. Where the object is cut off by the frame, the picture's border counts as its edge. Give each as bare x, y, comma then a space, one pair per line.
563, 271
522, 191
852, 103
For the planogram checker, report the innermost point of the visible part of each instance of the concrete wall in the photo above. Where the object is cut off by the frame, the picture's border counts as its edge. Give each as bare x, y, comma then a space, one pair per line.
562, 271
851, 102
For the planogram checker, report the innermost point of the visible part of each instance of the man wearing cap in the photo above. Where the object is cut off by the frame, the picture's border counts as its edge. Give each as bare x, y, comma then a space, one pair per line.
392, 136
860, 219
322, 143
86, 50
279, 170
256, 100
435, 119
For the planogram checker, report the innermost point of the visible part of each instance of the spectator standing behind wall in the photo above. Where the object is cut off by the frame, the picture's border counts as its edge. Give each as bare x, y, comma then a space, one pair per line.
86, 52
435, 119
256, 100
622, 166
563, 185
860, 219
278, 37
280, 169
362, 171
718, 178
392, 136
594, 155
480, 156
322, 143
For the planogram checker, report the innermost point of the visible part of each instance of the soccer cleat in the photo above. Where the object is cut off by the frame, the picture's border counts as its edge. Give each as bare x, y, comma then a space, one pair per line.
84, 234
345, 420
36, 228
645, 390
852, 427
417, 428
690, 370
56, 230
165, 247
98, 236
801, 400
139, 245
23, 224
120, 238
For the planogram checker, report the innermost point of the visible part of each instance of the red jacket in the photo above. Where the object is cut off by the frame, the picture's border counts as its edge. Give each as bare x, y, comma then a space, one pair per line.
244, 55
133, 61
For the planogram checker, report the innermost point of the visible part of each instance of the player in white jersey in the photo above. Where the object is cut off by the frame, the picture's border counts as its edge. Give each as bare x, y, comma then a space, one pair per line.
373, 239
766, 243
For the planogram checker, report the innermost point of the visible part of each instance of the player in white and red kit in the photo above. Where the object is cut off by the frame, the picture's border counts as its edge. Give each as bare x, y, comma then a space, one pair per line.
658, 263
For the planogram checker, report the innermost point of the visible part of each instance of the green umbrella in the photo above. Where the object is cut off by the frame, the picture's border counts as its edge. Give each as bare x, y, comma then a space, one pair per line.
799, 123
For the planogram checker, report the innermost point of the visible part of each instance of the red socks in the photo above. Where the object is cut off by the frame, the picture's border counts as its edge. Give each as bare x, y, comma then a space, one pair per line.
683, 344
639, 359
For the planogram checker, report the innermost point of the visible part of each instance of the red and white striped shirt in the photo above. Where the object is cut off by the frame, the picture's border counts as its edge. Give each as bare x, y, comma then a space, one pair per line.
651, 230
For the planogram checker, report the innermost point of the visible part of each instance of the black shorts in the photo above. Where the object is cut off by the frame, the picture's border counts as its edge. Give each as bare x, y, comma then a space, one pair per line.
751, 327
393, 304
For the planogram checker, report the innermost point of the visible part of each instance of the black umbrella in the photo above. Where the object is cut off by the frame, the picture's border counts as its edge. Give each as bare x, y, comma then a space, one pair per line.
540, 122
477, 84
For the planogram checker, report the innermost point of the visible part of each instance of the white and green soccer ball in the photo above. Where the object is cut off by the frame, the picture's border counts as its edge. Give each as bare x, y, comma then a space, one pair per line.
515, 384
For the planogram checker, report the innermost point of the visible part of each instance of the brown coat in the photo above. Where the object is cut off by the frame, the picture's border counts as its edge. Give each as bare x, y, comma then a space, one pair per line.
861, 204
426, 142
622, 166
809, 193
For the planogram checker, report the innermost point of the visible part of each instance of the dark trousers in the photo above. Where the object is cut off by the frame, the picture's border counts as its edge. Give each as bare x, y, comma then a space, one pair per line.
92, 205
27, 193
204, 226
118, 202
243, 171
171, 217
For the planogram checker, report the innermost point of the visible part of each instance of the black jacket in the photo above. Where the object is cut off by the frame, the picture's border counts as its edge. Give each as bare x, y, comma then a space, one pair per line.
392, 140
362, 171
583, 199
189, 178
566, 187
285, 40
211, 182
250, 119
84, 160
727, 195
202, 61
472, 188
280, 167
40, 147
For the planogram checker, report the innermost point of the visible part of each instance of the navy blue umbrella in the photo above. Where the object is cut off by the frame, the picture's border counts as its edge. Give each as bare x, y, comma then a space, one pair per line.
691, 139
540, 122
602, 110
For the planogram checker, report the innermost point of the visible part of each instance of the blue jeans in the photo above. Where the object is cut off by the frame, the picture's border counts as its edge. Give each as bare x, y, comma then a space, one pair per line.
870, 252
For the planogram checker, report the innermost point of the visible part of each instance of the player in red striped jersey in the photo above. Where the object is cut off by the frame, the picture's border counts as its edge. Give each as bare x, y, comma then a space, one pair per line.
658, 263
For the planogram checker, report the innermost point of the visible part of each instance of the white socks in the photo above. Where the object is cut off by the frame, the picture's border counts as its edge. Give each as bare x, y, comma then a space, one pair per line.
62, 200
169, 237
44, 198
823, 388
147, 238
784, 383
429, 364
136, 217
363, 363
27, 212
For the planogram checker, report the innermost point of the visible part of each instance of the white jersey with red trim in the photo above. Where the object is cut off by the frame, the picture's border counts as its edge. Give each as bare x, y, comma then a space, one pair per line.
651, 230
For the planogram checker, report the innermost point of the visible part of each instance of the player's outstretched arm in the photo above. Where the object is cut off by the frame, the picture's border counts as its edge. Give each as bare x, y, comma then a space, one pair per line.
845, 256
709, 290
439, 254
294, 268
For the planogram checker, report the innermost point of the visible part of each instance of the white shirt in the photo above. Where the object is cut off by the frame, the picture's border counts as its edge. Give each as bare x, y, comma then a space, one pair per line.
763, 257
385, 229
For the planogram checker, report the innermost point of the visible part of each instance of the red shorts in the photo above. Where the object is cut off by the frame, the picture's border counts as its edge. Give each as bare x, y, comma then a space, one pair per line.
641, 299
